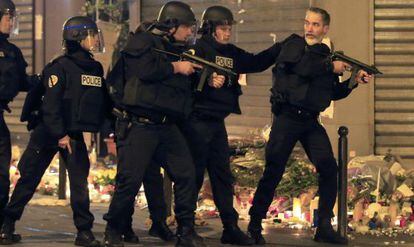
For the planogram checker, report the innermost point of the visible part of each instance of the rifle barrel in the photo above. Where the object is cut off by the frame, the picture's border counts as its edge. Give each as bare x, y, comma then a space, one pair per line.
197, 59
166, 52
345, 58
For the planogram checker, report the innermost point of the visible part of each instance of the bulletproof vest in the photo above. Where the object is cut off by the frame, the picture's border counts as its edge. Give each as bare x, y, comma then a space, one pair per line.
172, 96
9, 74
84, 96
225, 100
300, 77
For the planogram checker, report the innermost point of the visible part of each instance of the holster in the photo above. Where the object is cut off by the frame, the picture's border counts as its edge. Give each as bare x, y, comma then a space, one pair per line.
121, 128
122, 123
277, 100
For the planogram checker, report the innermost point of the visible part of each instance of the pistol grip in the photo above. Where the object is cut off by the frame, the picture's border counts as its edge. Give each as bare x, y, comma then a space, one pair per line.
352, 80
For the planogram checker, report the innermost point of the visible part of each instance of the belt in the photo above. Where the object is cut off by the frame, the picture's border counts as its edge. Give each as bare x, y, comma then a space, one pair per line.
144, 120
126, 116
300, 112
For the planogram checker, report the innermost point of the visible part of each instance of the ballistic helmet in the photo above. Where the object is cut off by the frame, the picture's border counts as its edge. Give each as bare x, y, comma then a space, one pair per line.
7, 7
214, 16
173, 14
79, 28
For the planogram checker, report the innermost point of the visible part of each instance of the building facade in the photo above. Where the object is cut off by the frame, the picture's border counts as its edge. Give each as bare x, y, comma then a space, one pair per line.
380, 116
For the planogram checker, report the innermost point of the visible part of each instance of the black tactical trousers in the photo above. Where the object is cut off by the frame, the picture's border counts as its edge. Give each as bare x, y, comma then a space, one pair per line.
33, 164
287, 129
209, 146
136, 151
154, 192
5, 157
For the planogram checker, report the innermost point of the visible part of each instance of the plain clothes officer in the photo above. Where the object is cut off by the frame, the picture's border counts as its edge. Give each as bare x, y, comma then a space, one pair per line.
157, 92
74, 102
305, 83
205, 131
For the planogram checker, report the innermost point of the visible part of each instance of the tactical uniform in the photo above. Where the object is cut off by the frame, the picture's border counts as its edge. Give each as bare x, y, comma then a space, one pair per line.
154, 97
303, 86
205, 131
74, 102
12, 80
154, 192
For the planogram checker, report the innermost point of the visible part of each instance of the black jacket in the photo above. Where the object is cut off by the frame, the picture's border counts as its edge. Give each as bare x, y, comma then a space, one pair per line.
152, 89
303, 76
12, 71
75, 98
219, 103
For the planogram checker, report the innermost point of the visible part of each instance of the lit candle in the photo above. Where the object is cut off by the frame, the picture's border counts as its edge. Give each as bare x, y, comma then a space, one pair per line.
297, 210
393, 212
397, 222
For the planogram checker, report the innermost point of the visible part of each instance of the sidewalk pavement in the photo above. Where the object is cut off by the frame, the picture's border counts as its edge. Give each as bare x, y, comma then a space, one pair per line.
47, 226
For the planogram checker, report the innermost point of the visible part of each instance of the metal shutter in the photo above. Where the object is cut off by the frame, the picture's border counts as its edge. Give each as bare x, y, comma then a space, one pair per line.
258, 20
25, 42
394, 91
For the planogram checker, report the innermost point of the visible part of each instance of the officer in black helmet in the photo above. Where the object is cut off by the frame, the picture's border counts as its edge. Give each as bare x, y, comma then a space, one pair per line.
157, 93
12, 80
154, 191
74, 102
205, 130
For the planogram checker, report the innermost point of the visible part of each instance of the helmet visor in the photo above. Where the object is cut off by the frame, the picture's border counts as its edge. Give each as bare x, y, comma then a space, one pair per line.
9, 22
94, 41
191, 40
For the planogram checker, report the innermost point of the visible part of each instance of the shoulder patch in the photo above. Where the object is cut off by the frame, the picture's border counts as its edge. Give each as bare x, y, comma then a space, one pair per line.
53, 80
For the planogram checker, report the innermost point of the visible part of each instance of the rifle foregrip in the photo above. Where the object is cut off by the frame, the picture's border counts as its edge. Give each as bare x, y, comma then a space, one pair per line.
352, 80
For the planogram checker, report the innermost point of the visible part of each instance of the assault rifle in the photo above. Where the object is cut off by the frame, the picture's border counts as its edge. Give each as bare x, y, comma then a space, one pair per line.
207, 70
356, 66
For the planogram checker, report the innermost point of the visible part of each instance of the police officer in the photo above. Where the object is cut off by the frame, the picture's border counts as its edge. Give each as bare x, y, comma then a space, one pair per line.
305, 82
74, 102
154, 192
157, 92
205, 130
12, 80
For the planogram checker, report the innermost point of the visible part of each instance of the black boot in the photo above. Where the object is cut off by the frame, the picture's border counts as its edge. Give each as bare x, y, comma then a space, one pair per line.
7, 235
326, 233
161, 230
129, 236
187, 237
112, 237
254, 231
233, 235
86, 238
